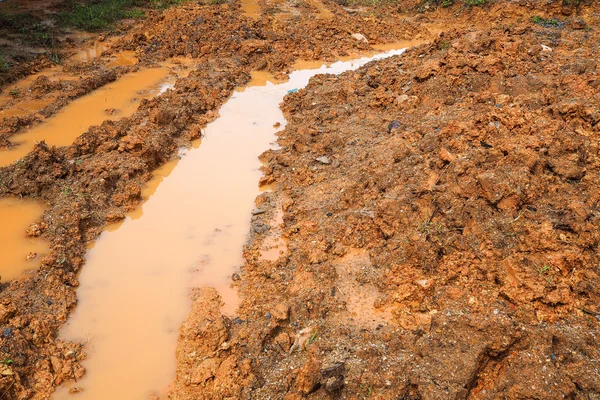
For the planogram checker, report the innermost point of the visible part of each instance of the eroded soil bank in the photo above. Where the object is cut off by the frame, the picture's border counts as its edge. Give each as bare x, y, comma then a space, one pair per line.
438, 208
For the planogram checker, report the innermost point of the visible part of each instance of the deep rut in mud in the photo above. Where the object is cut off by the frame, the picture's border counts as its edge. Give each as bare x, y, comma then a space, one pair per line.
190, 233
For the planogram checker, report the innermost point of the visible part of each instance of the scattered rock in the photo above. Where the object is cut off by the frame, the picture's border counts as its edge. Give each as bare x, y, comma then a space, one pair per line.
393, 126
360, 37
333, 378
301, 338
324, 160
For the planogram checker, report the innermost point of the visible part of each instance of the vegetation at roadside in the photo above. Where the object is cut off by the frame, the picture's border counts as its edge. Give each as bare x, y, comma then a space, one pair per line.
96, 15
4, 67
547, 22
450, 3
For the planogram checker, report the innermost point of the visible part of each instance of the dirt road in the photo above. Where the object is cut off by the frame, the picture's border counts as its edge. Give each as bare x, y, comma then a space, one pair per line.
438, 208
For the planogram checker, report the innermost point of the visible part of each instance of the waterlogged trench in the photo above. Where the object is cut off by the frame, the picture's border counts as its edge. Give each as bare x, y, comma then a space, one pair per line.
113, 101
135, 286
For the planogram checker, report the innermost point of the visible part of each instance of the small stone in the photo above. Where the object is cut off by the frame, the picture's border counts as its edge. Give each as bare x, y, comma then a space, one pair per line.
7, 332
258, 211
424, 283
393, 126
32, 256
333, 385
360, 37
5, 370
324, 160
336, 369
236, 277
546, 48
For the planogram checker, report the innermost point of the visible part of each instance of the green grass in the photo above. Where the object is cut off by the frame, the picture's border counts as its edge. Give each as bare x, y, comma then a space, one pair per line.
473, 3
98, 15
101, 14
547, 22
4, 67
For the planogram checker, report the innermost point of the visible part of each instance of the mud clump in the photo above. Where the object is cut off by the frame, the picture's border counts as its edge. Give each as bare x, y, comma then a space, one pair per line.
448, 249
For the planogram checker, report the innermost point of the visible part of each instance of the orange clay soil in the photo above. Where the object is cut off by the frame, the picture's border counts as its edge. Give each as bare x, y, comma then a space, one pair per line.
444, 248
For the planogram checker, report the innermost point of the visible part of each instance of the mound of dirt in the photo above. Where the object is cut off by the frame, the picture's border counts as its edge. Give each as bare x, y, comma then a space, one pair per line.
441, 219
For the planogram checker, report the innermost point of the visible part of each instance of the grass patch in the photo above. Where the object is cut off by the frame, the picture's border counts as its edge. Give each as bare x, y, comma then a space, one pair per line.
101, 14
547, 22
29, 25
368, 3
4, 67
98, 14
473, 3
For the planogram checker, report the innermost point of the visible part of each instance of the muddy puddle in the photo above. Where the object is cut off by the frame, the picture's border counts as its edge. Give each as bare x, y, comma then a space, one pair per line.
135, 286
19, 252
114, 101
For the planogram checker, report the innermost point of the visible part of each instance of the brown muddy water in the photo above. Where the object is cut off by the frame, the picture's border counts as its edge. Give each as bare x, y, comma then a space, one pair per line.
114, 101
134, 289
19, 252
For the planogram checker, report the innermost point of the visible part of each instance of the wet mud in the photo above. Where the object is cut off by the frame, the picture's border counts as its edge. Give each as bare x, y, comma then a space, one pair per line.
438, 214
428, 225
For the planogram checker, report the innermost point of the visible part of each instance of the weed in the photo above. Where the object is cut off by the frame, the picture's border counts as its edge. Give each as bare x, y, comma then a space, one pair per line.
547, 22
473, 3
368, 391
369, 3
14, 93
544, 270
102, 14
4, 67
447, 3
95, 16
6, 361
66, 190
162, 4
444, 45
313, 337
